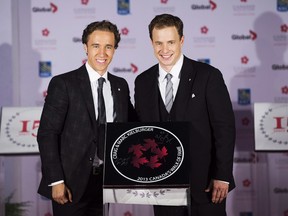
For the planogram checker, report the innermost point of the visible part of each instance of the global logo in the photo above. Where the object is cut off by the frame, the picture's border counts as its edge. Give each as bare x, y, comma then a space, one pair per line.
153, 151
252, 36
133, 68
53, 8
211, 6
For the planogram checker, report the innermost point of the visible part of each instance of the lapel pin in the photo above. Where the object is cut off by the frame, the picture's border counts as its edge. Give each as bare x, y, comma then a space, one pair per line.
119, 89
189, 79
193, 95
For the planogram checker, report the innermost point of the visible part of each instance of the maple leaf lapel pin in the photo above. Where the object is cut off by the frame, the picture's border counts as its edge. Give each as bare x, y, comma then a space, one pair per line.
193, 95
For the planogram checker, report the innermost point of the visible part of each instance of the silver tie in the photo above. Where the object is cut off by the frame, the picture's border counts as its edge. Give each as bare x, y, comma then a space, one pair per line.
169, 92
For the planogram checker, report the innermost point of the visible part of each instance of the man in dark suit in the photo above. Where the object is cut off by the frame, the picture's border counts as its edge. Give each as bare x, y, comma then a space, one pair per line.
70, 135
199, 96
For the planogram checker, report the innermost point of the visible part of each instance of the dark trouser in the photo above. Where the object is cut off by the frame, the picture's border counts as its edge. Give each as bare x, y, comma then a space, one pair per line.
207, 209
91, 204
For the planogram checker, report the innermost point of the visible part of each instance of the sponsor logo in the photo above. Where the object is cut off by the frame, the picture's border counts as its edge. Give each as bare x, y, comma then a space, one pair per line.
245, 70
274, 125
84, 11
284, 28
21, 128
45, 69
244, 8
77, 40
205, 40
284, 98
284, 90
278, 190
123, 7
157, 153
279, 67
53, 9
204, 60
132, 69
252, 158
126, 40
282, 5
211, 6
84, 2
251, 36
164, 8
246, 183
244, 96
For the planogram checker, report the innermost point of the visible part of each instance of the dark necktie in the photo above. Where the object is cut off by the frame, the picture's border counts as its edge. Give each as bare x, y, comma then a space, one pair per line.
101, 104
99, 154
169, 93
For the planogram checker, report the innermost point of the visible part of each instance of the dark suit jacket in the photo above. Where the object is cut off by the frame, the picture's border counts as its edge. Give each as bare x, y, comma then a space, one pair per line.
203, 100
67, 135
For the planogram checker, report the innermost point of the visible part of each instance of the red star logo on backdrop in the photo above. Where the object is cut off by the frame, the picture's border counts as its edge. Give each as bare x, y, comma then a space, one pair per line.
134, 68
204, 30
244, 60
164, 1
84, 2
128, 213
284, 28
253, 35
53, 7
284, 90
124, 31
48, 214
245, 121
213, 5
44, 93
246, 183
45, 32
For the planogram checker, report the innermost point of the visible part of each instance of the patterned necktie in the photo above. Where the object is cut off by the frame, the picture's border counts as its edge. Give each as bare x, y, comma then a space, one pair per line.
101, 104
169, 92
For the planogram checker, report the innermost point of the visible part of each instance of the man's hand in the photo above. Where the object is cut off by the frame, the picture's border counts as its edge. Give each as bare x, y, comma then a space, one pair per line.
219, 190
61, 194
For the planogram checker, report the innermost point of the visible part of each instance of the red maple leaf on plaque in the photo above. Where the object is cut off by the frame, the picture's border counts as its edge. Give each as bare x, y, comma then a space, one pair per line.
150, 144
137, 150
137, 161
161, 153
153, 163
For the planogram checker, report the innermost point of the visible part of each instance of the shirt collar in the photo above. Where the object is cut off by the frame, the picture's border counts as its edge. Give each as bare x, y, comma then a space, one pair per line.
175, 71
94, 75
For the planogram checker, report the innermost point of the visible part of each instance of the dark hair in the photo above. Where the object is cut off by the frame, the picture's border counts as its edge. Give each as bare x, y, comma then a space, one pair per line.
104, 25
166, 20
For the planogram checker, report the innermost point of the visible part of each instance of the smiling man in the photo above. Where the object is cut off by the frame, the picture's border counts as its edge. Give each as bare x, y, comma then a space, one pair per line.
181, 89
71, 131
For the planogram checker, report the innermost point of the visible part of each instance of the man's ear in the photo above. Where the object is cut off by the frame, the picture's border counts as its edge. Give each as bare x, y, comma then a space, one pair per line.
85, 48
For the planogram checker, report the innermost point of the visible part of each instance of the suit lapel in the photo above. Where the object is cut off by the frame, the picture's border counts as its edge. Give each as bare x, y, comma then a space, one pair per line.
184, 92
116, 94
85, 87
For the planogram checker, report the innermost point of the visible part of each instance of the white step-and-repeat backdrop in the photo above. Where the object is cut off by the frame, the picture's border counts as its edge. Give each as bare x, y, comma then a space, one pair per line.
246, 39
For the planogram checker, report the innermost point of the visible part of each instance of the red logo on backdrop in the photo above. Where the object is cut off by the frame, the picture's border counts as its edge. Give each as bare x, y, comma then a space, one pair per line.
204, 30
213, 5
124, 31
45, 32
164, 1
244, 60
253, 35
246, 183
284, 28
84, 2
245, 121
54, 8
284, 90
134, 68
